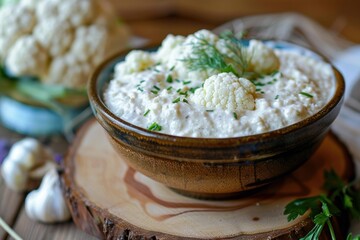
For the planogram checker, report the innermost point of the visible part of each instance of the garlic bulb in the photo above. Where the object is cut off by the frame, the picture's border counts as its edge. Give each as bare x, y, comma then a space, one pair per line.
47, 203
28, 160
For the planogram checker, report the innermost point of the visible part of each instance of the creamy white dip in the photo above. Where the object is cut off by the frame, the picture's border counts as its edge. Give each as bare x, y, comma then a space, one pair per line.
157, 91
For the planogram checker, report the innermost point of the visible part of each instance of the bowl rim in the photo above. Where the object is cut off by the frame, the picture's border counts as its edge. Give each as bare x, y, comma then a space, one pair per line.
97, 102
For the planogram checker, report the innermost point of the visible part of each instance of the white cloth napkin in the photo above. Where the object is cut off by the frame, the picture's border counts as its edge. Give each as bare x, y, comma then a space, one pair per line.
347, 125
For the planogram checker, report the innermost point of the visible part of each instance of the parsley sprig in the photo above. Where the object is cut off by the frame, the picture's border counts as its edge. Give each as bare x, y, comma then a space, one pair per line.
323, 207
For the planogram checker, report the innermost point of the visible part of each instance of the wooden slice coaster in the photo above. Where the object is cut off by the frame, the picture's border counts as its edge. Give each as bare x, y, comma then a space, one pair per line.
111, 201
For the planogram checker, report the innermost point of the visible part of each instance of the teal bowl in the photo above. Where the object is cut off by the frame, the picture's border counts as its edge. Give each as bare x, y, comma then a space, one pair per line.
213, 168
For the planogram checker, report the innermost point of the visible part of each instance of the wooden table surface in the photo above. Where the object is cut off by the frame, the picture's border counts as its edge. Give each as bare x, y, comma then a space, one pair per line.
155, 29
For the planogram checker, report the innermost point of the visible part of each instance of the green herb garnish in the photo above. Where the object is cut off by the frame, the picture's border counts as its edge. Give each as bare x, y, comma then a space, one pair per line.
274, 73
306, 94
193, 89
169, 79
156, 87
172, 68
154, 91
205, 56
176, 100
210, 110
169, 88
185, 100
147, 112
323, 208
276, 97
183, 93
186, 82
235, 115
154, 127
259, 84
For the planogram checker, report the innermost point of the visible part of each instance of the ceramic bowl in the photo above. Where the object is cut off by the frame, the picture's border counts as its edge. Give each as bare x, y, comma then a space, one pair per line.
209, 167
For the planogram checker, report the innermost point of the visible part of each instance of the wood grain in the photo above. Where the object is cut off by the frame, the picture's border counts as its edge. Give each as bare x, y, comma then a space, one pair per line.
10, 202
109, 200
29, 229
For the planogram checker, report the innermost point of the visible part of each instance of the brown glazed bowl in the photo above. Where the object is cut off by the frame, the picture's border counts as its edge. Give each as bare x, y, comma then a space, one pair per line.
212, 168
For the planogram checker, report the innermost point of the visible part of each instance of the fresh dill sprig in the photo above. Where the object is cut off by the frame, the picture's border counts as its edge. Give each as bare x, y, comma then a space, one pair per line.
238, 53
205, 55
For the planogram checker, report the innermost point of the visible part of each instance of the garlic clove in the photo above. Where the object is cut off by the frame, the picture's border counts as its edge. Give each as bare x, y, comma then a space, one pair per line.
28, 152
25, 164
47, 204
39, 172
14, 176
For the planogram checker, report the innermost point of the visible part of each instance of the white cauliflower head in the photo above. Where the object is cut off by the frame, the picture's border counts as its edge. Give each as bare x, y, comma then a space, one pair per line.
226, 91
85, 29
262, 58
76, 12
55, 36
15, 21
27, 57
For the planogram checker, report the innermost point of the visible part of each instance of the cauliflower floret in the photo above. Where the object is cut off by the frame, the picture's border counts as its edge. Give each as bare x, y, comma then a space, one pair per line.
135, 61
55, 36
15, 21
30, 4
175, 48
77, 12
67, 71
90, 44
227, 92
203, 34
27, 57
169, 44
262, 58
